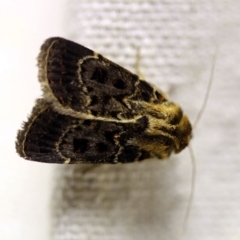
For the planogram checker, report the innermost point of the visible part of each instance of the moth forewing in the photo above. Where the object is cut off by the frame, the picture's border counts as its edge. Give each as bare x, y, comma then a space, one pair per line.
95, 111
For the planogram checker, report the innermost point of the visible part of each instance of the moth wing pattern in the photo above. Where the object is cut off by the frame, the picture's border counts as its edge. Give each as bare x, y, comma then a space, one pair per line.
94, 111
83, 83
49, 136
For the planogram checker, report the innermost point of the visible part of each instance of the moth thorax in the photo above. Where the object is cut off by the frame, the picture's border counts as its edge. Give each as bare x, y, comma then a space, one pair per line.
182, 132
176, 120
169, 130
178, 124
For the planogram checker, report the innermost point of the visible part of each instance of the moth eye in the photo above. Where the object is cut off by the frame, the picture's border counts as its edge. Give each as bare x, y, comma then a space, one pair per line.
80, 145
99, 75
101, 147
119, 83
159, 96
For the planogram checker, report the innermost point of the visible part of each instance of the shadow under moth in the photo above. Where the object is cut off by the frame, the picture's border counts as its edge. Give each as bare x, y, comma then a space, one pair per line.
94, 111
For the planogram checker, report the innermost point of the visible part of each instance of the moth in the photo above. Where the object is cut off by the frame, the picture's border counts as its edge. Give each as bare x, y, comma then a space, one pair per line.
94, 111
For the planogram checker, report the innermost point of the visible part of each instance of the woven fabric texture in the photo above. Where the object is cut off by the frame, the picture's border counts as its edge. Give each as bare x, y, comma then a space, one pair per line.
177, 40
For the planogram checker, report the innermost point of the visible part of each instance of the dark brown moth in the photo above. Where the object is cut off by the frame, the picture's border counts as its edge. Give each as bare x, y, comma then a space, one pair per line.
94, 111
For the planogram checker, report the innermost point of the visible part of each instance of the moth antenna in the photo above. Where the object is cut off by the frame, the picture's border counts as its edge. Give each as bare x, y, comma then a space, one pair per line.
206, 97
193, 159
192, 191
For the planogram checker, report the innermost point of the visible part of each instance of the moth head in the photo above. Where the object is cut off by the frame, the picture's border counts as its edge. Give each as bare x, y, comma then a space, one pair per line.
183, 134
